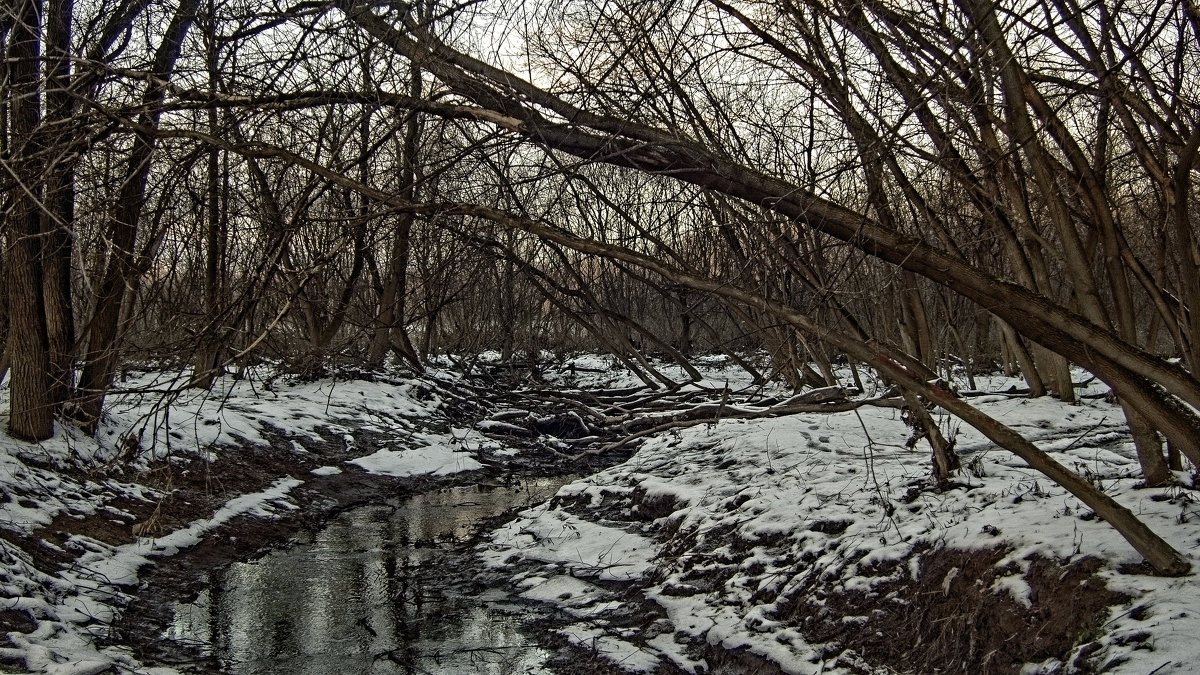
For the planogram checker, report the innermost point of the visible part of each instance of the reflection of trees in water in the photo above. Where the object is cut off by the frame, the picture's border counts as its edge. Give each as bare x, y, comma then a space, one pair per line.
373, 592
283, 636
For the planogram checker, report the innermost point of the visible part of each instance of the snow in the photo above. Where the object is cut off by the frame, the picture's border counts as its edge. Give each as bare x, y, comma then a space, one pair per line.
119, 566
579, 597
593, 371
84, 597
582, 548
621, 652
437, 460
740, 502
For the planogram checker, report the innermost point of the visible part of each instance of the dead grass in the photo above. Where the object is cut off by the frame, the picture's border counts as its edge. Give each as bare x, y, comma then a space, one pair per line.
951, 619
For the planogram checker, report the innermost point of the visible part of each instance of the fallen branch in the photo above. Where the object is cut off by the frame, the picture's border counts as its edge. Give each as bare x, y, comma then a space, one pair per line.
713, 413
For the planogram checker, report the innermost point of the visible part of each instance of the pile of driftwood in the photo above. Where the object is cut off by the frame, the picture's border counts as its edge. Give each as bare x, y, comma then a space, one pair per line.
602, 420
516, 404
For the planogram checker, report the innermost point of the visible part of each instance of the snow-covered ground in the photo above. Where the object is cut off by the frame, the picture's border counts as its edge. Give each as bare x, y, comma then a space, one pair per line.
776, 537
751, 534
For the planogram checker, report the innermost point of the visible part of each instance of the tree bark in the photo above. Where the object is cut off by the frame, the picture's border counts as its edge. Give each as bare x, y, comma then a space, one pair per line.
31, 406
59, 219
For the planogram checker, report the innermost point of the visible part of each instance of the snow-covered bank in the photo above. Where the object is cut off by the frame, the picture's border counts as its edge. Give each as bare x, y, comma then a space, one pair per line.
814, 541
74, 608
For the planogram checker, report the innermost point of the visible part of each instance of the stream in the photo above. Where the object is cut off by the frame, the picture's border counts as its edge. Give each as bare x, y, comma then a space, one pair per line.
377, 590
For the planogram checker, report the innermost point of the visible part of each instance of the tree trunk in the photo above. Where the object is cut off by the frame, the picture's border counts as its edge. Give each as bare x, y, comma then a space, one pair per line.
389, 326
208, 351
1155, 471
31, 405
685, 324
944, 460
59, 219
101, 361
1029, 369
917, 320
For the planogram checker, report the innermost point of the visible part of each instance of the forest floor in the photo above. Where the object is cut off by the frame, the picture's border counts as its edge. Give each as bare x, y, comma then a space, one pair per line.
801, 543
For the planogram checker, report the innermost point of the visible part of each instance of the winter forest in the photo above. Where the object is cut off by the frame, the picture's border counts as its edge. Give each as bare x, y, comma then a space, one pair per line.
599, 336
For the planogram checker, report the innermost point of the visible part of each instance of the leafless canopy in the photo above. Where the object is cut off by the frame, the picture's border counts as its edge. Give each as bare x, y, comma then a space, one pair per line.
917, 189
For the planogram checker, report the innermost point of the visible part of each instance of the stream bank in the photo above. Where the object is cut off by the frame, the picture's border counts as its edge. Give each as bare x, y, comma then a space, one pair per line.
375, 564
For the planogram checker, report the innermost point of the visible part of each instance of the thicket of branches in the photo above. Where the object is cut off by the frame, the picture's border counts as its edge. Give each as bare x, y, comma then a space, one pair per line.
917, 189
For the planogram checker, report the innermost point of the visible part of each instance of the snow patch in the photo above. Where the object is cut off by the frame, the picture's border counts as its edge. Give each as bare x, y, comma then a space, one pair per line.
432, 459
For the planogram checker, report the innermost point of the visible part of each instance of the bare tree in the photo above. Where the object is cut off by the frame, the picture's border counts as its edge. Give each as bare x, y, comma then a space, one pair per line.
104, 328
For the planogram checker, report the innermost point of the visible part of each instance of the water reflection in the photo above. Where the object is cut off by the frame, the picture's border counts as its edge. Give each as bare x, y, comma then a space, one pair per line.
371, 593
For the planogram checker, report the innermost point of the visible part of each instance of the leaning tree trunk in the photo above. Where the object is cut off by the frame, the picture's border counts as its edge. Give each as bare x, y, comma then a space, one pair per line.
1129, 370
1021, 95
101, 361
894, 365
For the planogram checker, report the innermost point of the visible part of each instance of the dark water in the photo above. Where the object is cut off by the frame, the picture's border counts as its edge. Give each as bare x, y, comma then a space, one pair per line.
376, 591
